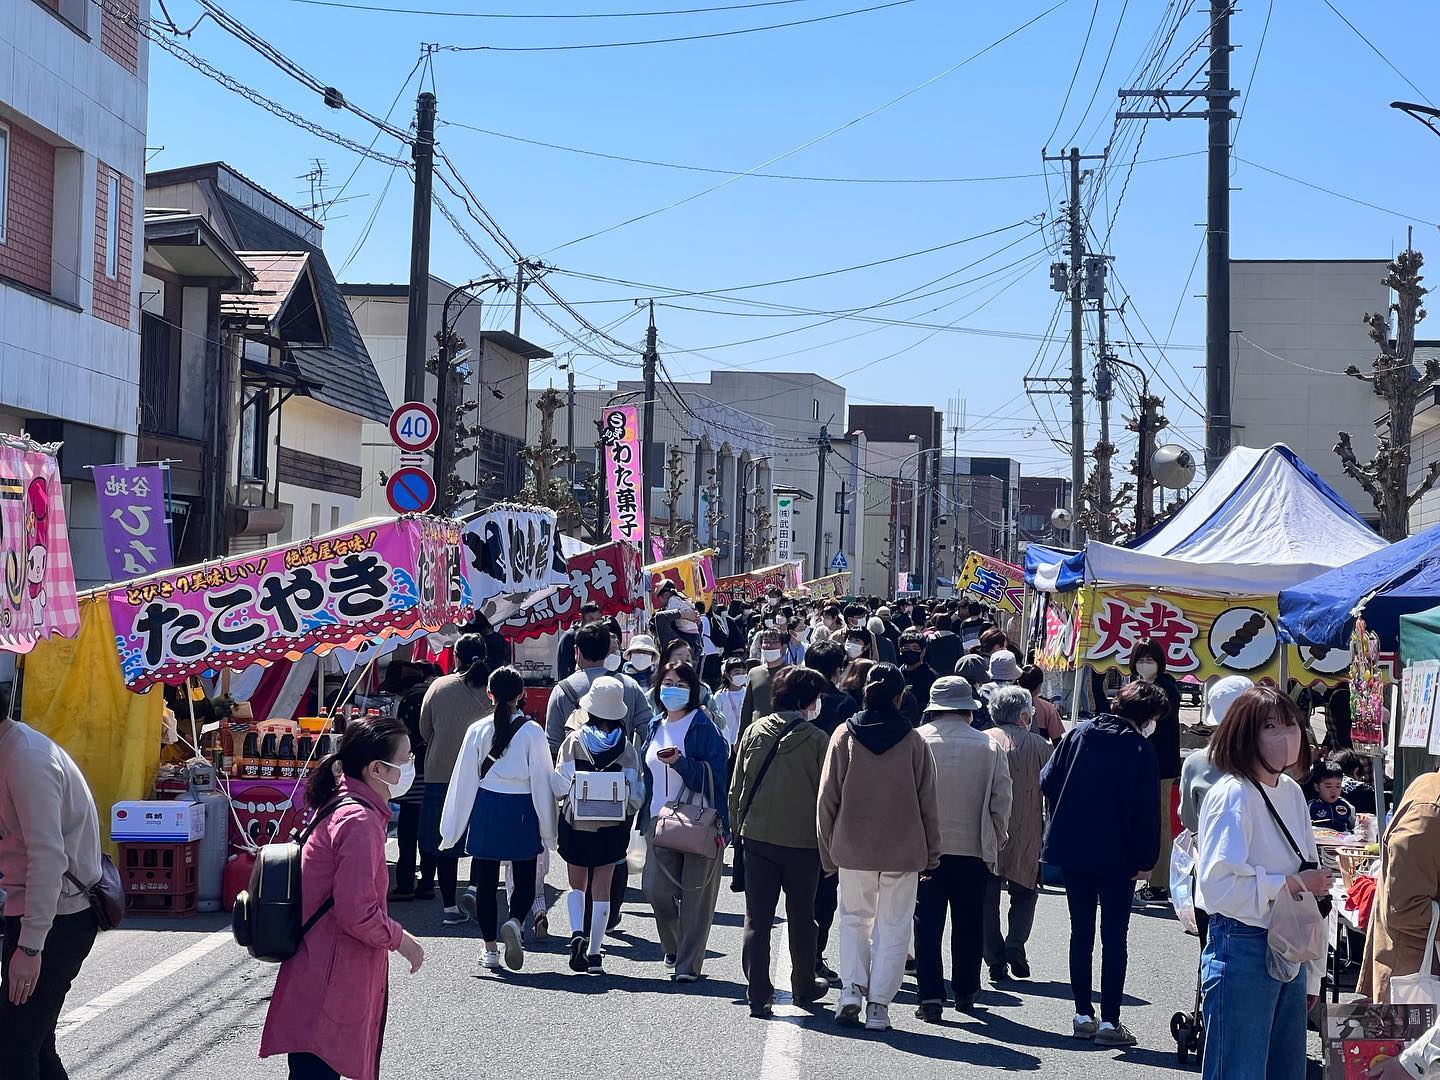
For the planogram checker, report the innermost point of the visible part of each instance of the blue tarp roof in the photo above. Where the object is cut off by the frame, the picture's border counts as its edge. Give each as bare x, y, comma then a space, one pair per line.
1405, 578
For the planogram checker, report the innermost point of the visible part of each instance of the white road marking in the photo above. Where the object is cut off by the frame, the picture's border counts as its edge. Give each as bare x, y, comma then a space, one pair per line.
130, 987
783, 1033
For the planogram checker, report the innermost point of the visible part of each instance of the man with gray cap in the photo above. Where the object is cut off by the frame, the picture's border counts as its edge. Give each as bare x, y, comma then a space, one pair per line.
1026, 752
972, 782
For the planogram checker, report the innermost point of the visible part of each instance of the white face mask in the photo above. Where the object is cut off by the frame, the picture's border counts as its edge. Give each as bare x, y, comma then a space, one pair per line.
1147, 670
1279, 747
642, 661
781, 621
738, 680
402, 785
813, 713
769, 655
853, 649
1148, 729
612, 662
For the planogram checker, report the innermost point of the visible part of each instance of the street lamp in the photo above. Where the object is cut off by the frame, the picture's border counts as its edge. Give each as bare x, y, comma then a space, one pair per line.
443, 409
1426, 114
895, 541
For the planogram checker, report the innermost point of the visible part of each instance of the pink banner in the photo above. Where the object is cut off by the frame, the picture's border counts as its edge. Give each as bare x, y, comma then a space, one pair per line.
39, 594
624, 471
380, 578
608, 575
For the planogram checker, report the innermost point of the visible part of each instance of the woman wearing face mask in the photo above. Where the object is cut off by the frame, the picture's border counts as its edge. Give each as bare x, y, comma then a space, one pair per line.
591, 850
729, 700
1104, 834
328, 1009
1147, 663
684, 755
679, 652
772, 803
501, 792
1256, 850
640, 658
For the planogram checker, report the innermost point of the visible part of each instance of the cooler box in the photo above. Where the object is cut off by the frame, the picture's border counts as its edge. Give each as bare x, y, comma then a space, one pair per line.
157, 822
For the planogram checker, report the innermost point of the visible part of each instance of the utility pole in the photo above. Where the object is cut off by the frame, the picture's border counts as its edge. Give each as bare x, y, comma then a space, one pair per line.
569, 416
1218, 96
820, 500
957, 425
423, 153
520, 294
1077, 344
652, 357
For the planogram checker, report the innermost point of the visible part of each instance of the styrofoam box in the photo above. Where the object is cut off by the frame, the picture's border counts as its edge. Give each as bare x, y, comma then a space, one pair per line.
174, 822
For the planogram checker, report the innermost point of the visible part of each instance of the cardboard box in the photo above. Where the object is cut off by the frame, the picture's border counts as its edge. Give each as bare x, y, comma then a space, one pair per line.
157, 822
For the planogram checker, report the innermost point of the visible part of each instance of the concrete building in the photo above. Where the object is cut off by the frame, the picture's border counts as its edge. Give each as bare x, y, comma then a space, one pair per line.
301, 386
73, 78
1040, 496
1295, 325
499, 365
972, 516
902, 444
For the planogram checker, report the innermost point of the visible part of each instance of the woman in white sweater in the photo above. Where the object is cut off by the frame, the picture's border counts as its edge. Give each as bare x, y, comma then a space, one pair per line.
1256, 851
501, 792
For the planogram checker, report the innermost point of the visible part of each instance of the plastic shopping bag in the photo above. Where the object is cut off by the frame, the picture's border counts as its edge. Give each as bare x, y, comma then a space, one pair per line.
1422, 988
1297, 935
1182, 881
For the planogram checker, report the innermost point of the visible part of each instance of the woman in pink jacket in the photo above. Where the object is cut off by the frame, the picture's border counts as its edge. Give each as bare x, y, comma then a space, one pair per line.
328, 1009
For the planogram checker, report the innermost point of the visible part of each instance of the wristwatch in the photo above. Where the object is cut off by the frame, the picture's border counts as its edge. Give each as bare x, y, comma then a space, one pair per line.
32, 953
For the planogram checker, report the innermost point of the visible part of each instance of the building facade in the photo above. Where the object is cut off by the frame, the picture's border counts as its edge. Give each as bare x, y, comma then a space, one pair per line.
1040, 496
1295, 325
73, 78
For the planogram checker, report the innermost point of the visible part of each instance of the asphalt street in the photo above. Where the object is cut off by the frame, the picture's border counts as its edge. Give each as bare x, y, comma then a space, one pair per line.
177, 998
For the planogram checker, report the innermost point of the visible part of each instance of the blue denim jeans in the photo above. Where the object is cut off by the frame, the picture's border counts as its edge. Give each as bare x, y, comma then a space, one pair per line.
1254, 1024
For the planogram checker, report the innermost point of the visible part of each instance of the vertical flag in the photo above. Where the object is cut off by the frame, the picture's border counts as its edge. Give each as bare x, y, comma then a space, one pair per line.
132, 519
624, 471
784, 526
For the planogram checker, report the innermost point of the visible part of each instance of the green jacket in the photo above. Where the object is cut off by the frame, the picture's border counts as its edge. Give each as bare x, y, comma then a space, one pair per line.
783, 811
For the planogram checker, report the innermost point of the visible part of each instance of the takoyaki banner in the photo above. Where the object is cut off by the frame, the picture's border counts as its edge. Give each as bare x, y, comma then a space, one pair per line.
378, 578
1203, 636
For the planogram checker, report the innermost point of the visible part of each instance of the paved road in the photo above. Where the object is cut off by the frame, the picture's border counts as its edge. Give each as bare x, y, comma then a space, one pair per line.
179, 999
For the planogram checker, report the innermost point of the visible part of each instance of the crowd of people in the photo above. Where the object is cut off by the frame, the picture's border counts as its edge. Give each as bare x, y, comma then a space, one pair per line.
891, 770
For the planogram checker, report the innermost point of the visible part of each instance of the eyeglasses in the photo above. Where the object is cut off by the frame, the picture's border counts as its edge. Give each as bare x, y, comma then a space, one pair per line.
401, 764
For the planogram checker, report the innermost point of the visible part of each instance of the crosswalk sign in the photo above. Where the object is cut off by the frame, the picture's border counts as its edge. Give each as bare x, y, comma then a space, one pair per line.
839, 562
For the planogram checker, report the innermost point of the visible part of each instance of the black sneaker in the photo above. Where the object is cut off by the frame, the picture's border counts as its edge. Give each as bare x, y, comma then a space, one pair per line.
930, 1011
829, 974
1020, 967
910, 965
763, 1011
425, 892
998, 974
966, 1003
595, 965
578, 960
809, 994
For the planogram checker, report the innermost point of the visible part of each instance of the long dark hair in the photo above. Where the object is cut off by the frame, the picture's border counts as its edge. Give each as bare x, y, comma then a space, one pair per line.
882, 686
365, 740
507, 687
470, 655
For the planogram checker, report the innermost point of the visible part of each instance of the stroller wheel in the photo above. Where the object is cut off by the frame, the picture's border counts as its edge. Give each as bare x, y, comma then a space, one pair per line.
1178, 1023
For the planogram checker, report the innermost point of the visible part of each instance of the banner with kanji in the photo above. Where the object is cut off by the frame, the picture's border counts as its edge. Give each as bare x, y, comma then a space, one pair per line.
693, 575
994, 582
624, 471
750, 587
38, 598
1202, 636
827, 587
510, 548
133, 526
376, 579
1057, 616
608, 575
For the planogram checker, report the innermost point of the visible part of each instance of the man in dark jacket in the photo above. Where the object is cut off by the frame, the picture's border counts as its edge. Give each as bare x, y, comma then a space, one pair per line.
1103, 789
919, 676
942, 646
836, 706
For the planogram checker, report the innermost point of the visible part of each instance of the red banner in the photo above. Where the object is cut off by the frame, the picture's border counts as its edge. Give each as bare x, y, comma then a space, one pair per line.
608, 575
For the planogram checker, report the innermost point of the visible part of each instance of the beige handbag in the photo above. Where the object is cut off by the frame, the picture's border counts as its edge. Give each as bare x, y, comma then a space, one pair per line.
688, 827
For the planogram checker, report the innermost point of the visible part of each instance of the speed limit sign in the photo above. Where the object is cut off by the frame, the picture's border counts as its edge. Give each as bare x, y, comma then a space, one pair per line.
413, 426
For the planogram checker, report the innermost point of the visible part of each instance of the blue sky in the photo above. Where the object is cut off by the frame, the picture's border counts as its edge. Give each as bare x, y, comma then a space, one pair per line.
1316, 110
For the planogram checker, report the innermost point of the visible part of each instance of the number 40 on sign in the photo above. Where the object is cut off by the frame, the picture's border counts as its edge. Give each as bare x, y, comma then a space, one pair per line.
413, 427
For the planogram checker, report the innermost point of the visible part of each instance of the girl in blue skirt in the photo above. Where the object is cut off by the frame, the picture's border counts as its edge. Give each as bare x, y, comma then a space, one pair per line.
501, 790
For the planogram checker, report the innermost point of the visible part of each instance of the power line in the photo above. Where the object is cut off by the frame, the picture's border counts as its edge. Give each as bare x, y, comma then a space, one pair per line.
1377, 51
1079, 63
391, 10
675, 40
1337, 194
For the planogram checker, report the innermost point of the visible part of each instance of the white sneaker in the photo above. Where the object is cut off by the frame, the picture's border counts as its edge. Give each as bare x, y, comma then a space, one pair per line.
490, 960
847, 1006
455, 917
877, 1017
510, 936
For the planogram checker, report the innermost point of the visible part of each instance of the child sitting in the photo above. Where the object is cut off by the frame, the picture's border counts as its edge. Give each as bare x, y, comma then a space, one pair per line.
1328, 810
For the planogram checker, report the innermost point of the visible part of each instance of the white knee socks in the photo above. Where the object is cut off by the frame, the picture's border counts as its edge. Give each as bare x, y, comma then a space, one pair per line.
575, 905
598, 918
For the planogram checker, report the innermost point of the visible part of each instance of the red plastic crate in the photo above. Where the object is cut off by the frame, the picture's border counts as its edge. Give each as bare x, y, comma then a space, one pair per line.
160, 869
161, 903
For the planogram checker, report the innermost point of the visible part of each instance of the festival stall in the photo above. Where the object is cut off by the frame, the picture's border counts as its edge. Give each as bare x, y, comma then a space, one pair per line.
750, 586
1204, 584
829, 587
693, 575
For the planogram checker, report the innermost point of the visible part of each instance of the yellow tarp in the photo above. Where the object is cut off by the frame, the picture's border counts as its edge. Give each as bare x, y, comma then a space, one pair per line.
75, 694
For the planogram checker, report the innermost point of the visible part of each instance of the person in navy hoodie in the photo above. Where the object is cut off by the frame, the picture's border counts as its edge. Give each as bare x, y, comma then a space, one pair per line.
1103, 788
682, 755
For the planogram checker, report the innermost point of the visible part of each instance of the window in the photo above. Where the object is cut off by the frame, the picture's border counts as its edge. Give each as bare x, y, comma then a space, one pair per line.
112, 225
334, 518
4, 175
254, 438
815, 409
314, 519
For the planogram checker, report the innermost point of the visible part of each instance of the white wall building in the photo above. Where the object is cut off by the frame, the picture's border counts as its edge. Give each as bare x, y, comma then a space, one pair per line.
73, 96
1295, 326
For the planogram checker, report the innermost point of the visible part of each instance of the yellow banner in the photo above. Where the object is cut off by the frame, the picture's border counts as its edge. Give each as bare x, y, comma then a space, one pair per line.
831, 585
994, 582
1203, 637
693, 574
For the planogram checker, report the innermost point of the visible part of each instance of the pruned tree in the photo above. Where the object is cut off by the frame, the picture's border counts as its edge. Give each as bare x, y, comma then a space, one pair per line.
1394, 377
546, 481
1101, 510
677, 531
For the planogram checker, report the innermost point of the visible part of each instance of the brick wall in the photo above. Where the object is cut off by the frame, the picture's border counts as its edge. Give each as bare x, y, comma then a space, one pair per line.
112, 294
120, 39
29, 210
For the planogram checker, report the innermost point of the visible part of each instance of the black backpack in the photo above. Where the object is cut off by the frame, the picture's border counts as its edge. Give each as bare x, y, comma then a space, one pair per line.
267, 919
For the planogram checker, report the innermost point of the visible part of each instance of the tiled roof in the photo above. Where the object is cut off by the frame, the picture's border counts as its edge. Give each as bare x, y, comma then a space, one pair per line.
276, 273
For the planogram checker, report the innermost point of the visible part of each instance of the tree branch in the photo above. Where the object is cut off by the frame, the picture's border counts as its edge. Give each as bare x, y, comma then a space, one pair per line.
1432, 473
1361, 474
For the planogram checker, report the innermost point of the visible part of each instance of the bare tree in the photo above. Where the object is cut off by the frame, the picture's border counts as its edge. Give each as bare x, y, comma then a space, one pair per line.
1386, 476
1102, 510
546, 483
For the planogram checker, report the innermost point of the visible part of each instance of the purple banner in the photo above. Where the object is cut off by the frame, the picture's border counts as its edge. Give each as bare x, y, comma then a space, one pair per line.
132, 519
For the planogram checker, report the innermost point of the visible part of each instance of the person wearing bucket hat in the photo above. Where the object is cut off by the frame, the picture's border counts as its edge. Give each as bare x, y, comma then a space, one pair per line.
975, 669
972, 785
1003, 668
591, 850
641, 655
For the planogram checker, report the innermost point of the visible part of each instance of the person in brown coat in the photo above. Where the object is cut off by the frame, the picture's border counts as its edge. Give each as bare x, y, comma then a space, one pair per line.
1409, 883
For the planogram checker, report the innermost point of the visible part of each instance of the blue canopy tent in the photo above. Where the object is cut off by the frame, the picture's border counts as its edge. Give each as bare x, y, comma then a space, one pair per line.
1401, 579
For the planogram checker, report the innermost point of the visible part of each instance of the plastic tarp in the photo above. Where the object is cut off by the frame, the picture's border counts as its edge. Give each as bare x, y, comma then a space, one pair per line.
1264, 521
1401, 579
75, 693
